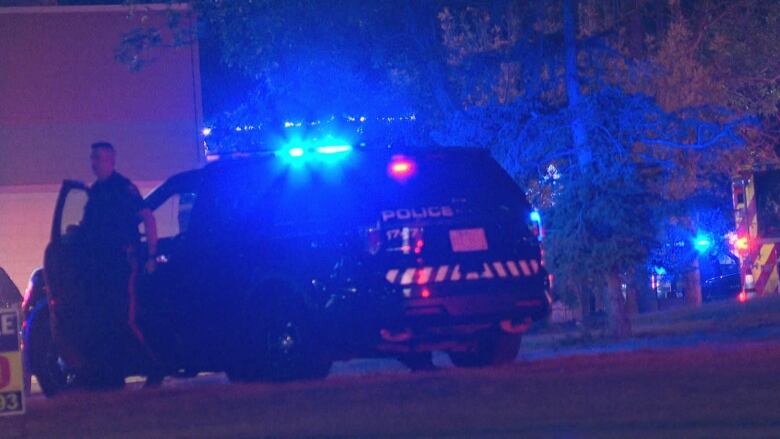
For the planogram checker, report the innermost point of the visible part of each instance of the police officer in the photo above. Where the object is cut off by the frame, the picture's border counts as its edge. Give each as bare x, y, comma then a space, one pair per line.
111, 241
115, 206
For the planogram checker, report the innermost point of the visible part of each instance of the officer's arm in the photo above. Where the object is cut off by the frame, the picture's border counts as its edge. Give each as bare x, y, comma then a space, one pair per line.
150, 227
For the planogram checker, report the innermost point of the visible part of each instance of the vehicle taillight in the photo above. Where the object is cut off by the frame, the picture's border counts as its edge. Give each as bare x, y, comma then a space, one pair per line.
418, 246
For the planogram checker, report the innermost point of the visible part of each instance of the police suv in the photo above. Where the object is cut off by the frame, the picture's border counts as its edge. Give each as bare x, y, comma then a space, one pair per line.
279, 265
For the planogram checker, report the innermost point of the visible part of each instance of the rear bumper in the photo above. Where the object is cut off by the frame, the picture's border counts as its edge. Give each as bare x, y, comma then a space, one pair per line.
476, 307
407, 320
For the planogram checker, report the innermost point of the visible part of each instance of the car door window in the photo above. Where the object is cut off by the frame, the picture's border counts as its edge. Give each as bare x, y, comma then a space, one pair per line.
173, 215
73, 211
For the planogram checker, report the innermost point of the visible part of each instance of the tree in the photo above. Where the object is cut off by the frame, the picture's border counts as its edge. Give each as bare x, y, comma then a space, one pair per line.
612, 116
591, 144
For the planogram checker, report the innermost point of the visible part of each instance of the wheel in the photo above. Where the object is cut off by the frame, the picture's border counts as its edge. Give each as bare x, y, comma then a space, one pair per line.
283, 346
492, 349
418, 361
41, 355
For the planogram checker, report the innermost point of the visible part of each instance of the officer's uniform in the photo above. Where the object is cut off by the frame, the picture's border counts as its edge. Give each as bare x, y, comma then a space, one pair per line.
111, 214
110, 237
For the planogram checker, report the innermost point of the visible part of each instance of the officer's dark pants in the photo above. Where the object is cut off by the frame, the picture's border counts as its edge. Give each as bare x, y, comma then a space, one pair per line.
107, 341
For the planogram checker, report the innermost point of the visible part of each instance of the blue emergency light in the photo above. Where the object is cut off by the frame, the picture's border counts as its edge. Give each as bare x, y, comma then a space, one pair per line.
702, 242
311, 149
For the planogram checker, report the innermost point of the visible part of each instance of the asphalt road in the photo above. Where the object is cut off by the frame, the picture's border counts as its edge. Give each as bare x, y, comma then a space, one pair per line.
729, 389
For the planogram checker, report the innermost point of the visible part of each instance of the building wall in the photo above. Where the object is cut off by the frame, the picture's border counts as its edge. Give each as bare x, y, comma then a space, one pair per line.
62, 89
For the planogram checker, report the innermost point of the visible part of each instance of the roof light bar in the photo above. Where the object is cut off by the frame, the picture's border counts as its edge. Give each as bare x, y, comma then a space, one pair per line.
333, 149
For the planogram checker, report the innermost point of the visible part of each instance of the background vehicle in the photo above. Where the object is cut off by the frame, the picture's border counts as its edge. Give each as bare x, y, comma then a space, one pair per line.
757, 211
281, 264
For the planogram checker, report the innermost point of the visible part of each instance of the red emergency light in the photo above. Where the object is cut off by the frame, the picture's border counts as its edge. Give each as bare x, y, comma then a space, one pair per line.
401, 168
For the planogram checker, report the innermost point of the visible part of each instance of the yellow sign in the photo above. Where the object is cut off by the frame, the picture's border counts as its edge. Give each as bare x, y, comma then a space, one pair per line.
11, 374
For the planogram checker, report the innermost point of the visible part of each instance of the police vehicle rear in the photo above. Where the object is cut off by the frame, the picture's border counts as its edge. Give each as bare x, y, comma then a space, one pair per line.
291, 261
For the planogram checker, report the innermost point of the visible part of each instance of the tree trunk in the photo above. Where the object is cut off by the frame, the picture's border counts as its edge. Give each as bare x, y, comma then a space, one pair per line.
618, 324
693, 284
579, 133
636, 33
584, 299
647, 298
632, 298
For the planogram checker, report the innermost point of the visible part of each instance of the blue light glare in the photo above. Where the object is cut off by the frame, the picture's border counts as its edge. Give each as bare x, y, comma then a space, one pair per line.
333, 149
535, 217
702, 242
313, 153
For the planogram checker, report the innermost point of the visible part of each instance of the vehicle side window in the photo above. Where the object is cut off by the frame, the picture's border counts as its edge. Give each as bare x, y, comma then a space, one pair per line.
173, 215
729, 264
73, 211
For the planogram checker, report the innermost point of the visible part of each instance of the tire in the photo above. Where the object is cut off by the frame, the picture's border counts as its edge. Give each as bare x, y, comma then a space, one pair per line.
41, 355
495, 348
283, 346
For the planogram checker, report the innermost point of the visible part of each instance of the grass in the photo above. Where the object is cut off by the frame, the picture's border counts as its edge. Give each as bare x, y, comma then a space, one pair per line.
711, 319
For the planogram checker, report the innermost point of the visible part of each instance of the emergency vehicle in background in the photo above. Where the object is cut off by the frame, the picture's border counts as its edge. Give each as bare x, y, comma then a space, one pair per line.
756, 196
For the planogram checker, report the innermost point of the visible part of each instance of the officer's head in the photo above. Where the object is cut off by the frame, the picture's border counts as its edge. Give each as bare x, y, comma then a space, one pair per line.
103, 159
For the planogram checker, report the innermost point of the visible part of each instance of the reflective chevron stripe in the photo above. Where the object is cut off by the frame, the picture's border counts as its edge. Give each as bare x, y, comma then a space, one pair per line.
446, 273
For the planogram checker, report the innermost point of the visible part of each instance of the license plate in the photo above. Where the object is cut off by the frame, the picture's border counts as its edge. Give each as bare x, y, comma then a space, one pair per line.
468, 240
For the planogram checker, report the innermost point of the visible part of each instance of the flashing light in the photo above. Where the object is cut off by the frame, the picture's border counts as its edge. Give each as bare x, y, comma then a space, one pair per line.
535, 224
296, 152
702, 243
401, 168
742, 297
333, 149
741, 243
425, 293
301, 151
206, 131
